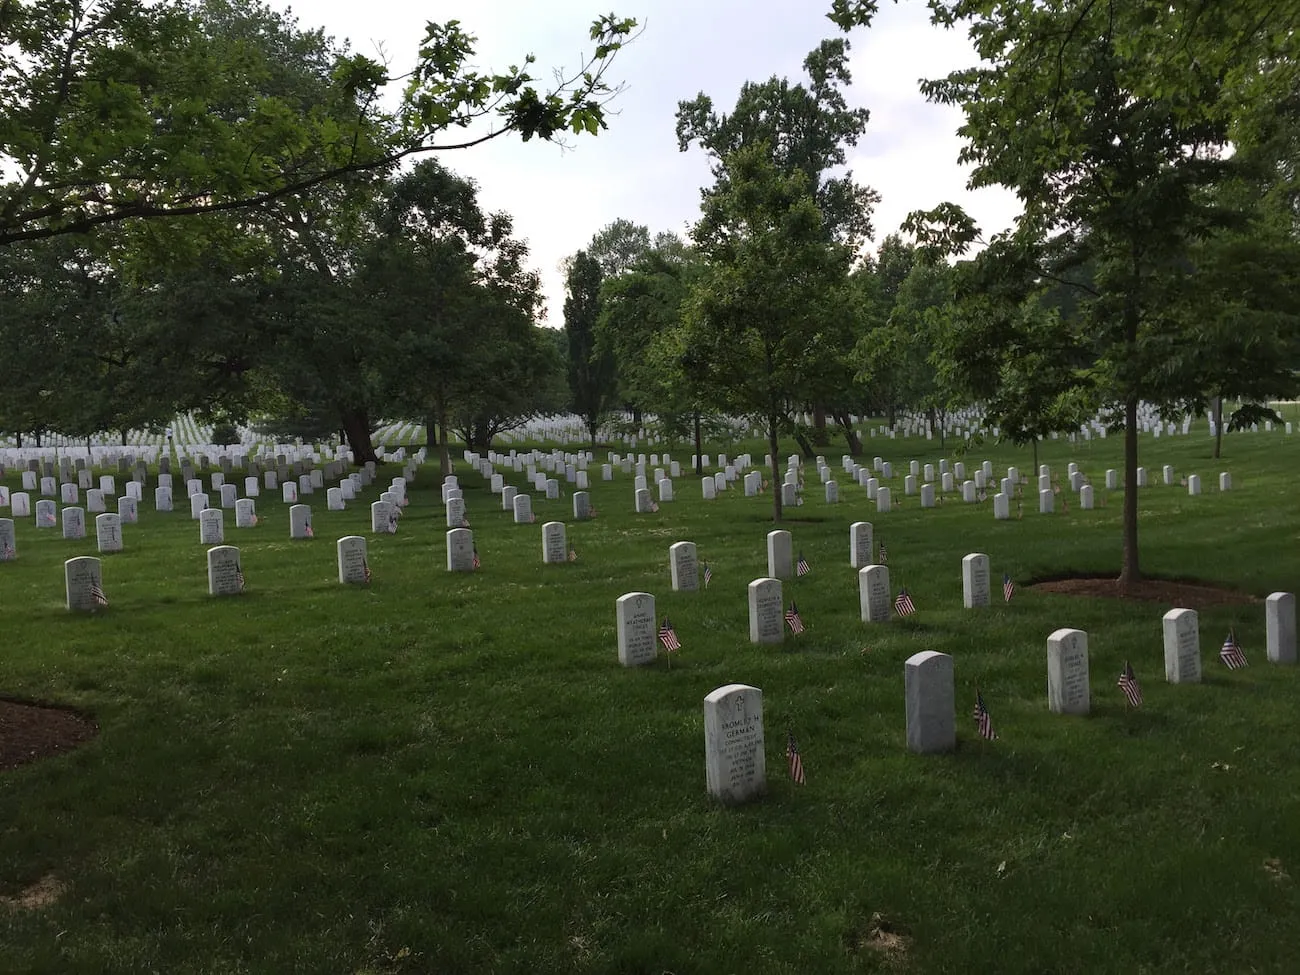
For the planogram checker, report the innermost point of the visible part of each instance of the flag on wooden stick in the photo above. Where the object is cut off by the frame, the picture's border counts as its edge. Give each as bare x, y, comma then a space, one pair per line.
794, 759
1128, 683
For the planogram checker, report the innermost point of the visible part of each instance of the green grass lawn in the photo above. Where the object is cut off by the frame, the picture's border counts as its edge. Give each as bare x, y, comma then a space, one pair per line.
451, 773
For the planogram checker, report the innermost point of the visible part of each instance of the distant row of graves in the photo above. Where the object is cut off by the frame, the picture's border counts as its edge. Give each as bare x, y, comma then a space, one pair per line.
733, 713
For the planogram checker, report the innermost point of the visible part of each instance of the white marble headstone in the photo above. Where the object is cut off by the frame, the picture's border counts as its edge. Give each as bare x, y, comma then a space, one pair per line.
860, 544
637, 631
931, 702
225, 573
212, 530
523, 505
245, 513
1068, 690
874, 596
766, 612
353, 566
780, 555
554, 548
74, 523
684, 567
975, 581
8, 540
108, 533
81, 578
1182, 646
300, 526
735, 763
1279, 627
460, 550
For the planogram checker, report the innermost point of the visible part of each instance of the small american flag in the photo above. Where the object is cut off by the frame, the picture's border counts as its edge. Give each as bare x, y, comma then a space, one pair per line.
464, 523
981, 496
573, 555
392, 524
903, 604
654, 505
308, 532
802, 567
884, 556
794, 619
531, 517
668, 637
591, 513
983, 722
477, 561
8, 552
795, 760
1128, 683
1008, 587
365, 568
239, 576
1231, 654
708, 574
97, 595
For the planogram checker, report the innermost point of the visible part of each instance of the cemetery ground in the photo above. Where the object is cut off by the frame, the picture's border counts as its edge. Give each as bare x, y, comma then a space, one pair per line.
447, 772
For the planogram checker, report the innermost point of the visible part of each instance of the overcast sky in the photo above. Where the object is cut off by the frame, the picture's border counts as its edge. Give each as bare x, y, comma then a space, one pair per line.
560, 197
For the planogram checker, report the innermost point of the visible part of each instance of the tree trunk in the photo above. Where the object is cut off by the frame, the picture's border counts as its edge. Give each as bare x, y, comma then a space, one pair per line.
18, 438
819, 436
1130, 572
1035, 458
805, 445
444, 448
430, 433
889, 413
1218, 426
356, 424
775, 465
850, 435
699, 445
123, 432
636, 416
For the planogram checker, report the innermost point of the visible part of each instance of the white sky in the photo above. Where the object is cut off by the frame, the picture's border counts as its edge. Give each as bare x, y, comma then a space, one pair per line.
560, 197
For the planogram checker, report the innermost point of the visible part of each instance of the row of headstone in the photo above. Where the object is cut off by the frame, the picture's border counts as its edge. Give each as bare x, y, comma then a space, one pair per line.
735, 761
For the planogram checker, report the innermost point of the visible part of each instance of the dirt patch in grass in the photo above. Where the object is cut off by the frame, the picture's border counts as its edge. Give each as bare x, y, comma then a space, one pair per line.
43, 893
1173, 592
881, 937
30, 732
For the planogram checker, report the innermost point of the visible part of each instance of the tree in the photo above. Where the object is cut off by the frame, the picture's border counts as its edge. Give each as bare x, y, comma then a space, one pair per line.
638, 307
807, 129
769, 314
1111, 123
591, 368
116, 109
619, 245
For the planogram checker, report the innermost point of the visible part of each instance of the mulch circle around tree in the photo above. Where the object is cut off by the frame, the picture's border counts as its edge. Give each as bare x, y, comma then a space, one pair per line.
30, 732
1184, 595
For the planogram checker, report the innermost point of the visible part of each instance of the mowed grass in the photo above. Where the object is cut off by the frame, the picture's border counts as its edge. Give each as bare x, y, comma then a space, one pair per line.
451, 773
